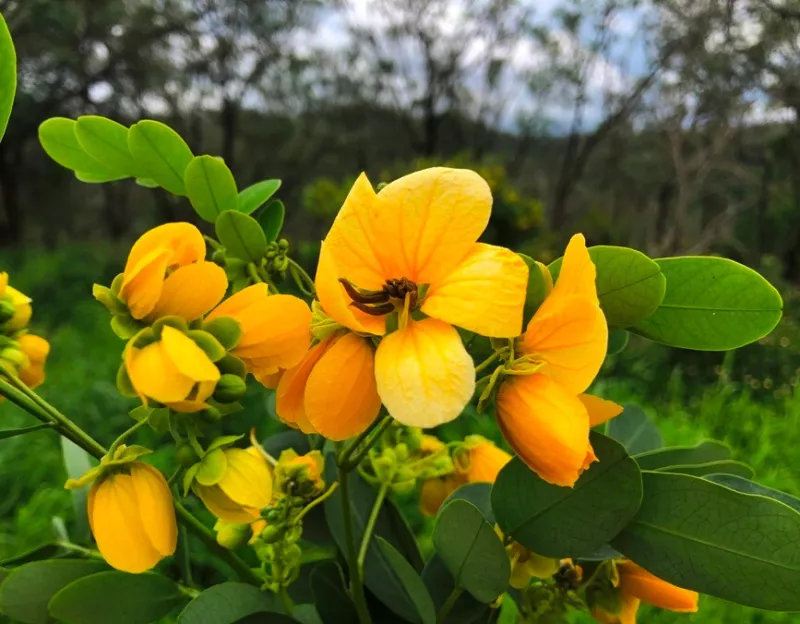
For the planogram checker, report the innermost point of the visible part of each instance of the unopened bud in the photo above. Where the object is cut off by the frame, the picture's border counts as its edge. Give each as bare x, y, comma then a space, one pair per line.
218, 257
401, 488
383, 467
230, 388
401, 452
232, 536
272, 534
283, 245
186, 455
14, 356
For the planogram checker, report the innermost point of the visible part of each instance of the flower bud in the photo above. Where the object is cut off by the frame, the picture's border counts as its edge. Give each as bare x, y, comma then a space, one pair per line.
230, 388
401, 452
15, 357
283, 245
232, 536
185, 454
272, 533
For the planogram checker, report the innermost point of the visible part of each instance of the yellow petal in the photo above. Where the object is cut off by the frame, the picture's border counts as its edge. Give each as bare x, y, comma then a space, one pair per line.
247, 480
183, 242
600, 410
154, 501
223, 507
32, 376
189, 359
240, 301
637, 582
117, 527
191, 291
142, 284
269, 380
426, 223
433, 493
154, 374
290, 394
3, 283
485, 463
569, 333
22, 309
484, 294
545, 425
188, 407
35, 347
628, 608
341, 399
578, 273
424, 374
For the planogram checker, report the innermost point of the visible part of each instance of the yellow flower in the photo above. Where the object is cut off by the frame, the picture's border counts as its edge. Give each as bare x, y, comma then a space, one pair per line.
637, 585
132, 518
173, 371
332, 391
167, 275
36, 349
484, 460
433, 492
526, 565
244, 489
412, 249
275, 328
21, 304
543, 415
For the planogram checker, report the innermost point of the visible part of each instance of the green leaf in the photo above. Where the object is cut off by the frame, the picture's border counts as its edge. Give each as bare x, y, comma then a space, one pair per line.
712, 304
116, 598
26, 591
539, 285
254, 196
232, 602
708, 451
630, 285
634, 430
161, 154
745, 486
107, 142
8, 75
330, 595
617, 341
13, 433
210, 187
271, 219
408, 578
717, 541
241, 235
479, 494
509, 611
226, 330
57, 136
212, 468
77, 464
471, 550
568, 522
43, 551
440, 584
729, 466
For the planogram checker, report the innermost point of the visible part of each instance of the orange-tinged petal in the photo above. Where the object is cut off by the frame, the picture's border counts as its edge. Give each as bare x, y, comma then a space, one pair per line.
600, 410
426, 223
189, 359
269, 380
290, 394
35, 347
240, 301
154, 501
223, 507
578, 273
341, 399
569, 333
546, 426
247, 480
154, 374
637, 582
191, 291
32, 376
433, 492
142, 285
485, 462
484, 294
424, 374
628, 608
183, 241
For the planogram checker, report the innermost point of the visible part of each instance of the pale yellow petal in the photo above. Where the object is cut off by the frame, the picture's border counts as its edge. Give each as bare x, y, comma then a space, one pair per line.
154, 502
248, 479
189, 359
154, 374
223, 507
485, 463
425, 376
191, 291
600, 410
578, 273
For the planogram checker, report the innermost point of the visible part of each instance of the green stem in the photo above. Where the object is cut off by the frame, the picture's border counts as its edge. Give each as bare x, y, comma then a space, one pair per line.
264, 274
212, 243
448, 605
373, 518
350, 461
310, 290
288, 605
317, 501
253, 273
136, 426
483, 365
356, 584
184, 557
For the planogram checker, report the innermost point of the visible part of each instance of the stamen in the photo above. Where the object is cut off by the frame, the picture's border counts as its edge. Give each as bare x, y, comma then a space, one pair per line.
374, 310
367, 296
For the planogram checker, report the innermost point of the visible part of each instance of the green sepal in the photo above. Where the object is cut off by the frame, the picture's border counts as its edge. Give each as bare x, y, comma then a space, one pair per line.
540, 283
212, 468
226, 330
225, 409
210, 345
142, 338
84, 480
231, 365
229, 389
223, 441
177, 322
124, 384
111, 302
140, 413
125, 327
156, 417
126, 454
116, 284
188, 478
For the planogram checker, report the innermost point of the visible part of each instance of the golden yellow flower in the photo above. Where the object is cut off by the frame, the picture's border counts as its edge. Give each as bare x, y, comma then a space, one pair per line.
167, 275
484, 460
21, 303
132, 518
412, 247
173, 371
433, 492
276, 329
36, 349
543, 415
244, 489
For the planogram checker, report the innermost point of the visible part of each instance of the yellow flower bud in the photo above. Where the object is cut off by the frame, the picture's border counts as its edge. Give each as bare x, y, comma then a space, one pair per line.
37, 350
132, 518
231, 536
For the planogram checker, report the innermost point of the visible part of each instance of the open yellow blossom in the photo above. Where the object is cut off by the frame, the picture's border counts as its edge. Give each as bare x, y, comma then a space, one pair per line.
412, 249
637, 585
275, 328
244, 489
132, 518
543, 415
36, 349
21, 304
173, 371
167, 275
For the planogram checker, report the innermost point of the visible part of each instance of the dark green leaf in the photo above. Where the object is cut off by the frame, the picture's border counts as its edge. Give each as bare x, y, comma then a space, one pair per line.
538, 287
729, 466
440, 584
717, 541
330, 596
708, 451
741, 484
410, 581
26, 591
634, 430
107, 142
254, 196
210, 187
8, 75
291, 439
629, 284
617, 341
471, 550
509, 611
13, 433
479, 494
271, 219
44, 551
306, 614
160, 153
116, 598
569, 522
232, 602
57, 136
712, 304
241, 235
77, 464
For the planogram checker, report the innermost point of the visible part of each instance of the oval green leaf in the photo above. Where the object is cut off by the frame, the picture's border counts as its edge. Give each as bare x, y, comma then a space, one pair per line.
717, 541
241, 235
107, 142
210, 187
479, 494
254, 196
708, 451
160, 153
740, 484
712, 304
330, 595
728, 466
410, 581
26, 591
57, 136
233, 602
539, 285
630, 285
634, 430
568, 522
440, 584
271, 219
8, 75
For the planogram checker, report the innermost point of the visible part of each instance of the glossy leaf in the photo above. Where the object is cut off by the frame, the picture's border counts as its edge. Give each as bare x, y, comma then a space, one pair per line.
410, 581
717, 541
568, 522
708, 451
107, 142
49, 550
630, 285
233, 602
617, 341
712, 304
254, 196
25, 592
729, 466
57, 136
161, 154
634, 430
330, 595
479, 494
440, 584
271, 219
241, 235
210, 187
538, 287
740, 484
8, 75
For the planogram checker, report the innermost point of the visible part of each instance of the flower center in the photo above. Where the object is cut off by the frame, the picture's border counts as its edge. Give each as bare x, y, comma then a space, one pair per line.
391, 296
